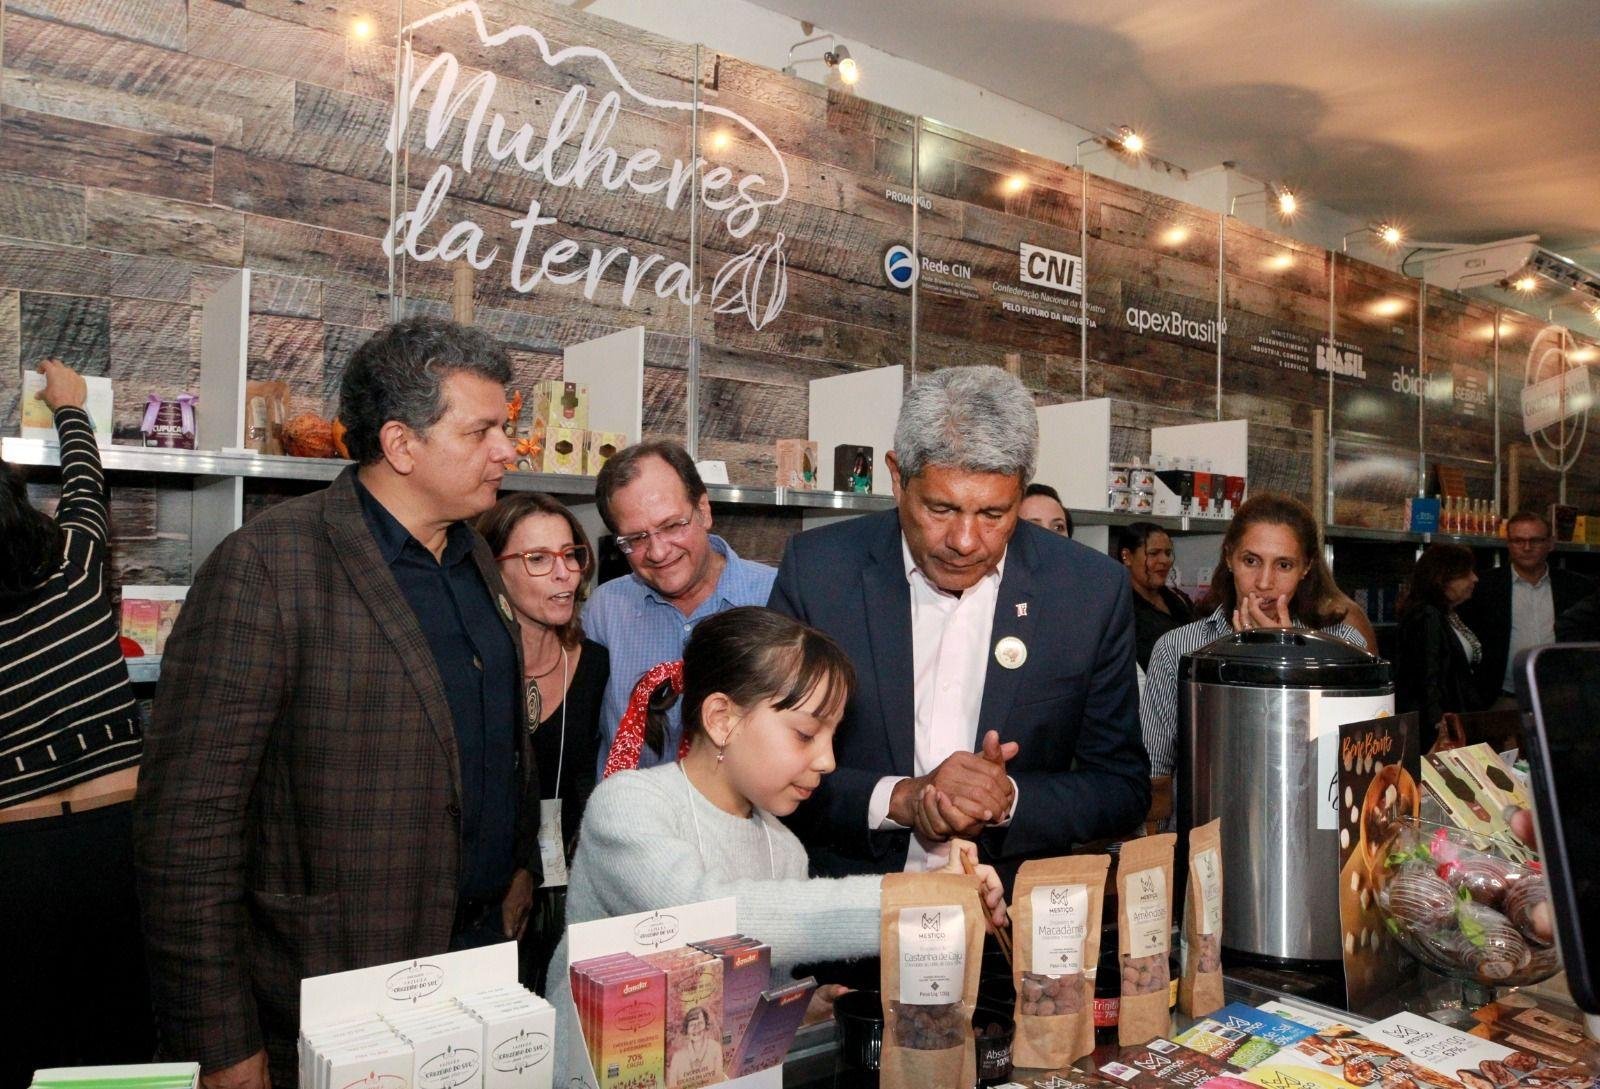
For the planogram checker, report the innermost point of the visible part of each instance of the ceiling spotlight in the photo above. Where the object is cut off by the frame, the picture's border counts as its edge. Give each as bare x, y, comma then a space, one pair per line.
1525, 284
1389, 307
362, 29
841, 60
1016, 183
1287, 204
1390, 235
1129, 141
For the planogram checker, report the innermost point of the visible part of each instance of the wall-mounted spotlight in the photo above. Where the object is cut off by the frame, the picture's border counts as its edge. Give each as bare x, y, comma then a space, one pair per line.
838, 59
1129, 140
1282, 199
841, 60
1386, 233
1527, 283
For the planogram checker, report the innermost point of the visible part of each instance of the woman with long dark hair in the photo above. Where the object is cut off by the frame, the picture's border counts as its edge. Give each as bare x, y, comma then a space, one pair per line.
71, 732
1271, 575
546, 562
1437, 655
1145, 549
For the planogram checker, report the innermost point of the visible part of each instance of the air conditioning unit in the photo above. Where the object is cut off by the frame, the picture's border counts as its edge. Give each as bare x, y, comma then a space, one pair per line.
1492, 264
1460, 268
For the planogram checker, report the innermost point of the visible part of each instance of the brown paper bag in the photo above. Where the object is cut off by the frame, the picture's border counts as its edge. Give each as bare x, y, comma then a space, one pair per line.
265, 409
1144, 937
932, 944
1055, 921
1200, 986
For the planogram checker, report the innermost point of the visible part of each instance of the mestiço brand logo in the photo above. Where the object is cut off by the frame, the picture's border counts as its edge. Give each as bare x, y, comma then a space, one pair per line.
899, 266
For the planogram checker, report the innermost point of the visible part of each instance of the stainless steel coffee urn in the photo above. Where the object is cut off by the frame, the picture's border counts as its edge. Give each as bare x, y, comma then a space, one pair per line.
1246, 709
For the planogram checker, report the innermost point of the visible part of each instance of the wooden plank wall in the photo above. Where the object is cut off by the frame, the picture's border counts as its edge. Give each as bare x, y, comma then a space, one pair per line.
149, 147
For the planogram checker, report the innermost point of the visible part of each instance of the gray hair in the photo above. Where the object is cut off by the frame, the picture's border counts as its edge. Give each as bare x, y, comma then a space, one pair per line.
978, 419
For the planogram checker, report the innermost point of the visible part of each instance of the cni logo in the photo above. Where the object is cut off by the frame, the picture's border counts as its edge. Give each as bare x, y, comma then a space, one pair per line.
1049, 268
899, 266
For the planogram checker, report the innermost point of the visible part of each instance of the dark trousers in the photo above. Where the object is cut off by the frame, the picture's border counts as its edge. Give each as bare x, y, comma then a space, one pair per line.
70, 945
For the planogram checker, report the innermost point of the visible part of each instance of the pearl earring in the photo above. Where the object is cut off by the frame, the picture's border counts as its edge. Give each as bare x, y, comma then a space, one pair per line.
720, 754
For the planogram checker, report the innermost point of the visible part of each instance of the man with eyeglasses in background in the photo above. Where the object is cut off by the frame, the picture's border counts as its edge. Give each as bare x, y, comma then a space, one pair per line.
651, 496
1515, 606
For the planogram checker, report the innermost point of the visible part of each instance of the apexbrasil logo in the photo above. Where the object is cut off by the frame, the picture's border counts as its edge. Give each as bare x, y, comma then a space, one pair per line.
754, 283
899, 266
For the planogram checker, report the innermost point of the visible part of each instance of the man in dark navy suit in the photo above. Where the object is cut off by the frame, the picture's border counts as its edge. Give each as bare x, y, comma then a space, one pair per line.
996, 697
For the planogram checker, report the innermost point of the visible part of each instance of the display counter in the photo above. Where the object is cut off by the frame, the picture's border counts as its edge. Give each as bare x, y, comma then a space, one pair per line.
815, 1061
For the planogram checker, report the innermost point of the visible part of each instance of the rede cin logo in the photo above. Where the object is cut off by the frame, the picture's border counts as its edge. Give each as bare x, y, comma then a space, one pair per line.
1050, 268
899, 267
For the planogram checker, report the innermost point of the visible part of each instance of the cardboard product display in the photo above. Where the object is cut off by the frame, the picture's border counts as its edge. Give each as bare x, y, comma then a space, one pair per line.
561, 404
599, 447
563, 450
797, 464
38, 422
852, 468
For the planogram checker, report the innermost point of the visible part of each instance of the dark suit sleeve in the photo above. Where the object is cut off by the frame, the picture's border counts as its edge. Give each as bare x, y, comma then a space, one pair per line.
223, 682
1107, 791
1423, 660
785, 597
1581, 623
837, 813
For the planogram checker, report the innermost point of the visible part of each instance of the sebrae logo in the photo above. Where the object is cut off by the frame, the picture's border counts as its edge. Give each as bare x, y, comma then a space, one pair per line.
753, 283
1050, 268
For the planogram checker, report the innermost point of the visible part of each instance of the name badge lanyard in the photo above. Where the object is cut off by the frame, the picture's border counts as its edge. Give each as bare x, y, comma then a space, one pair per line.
552, 848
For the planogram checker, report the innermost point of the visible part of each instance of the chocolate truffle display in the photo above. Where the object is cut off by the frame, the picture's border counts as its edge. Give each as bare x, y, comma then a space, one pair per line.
1464, 911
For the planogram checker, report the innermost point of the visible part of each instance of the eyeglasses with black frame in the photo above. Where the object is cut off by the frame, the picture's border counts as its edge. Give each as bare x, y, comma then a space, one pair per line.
538, 562
672, 533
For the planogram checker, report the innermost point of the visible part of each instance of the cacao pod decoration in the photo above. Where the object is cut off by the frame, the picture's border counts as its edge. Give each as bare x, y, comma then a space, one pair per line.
308, 436
755, 284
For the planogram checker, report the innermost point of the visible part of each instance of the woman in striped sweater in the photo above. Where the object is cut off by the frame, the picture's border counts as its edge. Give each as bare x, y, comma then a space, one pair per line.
69, 749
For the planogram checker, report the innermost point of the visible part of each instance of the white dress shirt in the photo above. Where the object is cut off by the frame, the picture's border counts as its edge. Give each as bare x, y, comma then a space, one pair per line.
949, 662
1533, 620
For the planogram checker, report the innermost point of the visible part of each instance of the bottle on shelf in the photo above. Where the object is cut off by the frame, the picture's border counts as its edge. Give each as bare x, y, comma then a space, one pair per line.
1107, 990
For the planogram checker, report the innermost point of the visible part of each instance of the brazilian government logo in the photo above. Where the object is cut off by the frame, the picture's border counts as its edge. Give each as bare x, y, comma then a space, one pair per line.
899, 266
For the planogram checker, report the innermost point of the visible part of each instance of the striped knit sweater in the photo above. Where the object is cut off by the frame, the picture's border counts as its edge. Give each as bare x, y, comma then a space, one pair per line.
67, 713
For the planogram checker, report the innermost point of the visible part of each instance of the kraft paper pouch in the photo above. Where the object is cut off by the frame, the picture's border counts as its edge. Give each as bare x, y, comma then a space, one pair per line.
1200, 986
932, 943
1144, 937
1055, 924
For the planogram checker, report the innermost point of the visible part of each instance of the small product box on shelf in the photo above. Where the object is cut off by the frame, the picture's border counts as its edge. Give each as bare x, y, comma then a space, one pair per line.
797, 464
599, 449
563, 450
561, 404
852, 468
1422, 514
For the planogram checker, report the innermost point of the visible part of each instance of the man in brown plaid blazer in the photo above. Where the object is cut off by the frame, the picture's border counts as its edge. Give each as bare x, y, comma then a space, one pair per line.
338, 771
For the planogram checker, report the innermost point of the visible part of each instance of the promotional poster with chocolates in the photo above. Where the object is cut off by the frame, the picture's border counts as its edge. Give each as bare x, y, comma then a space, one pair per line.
1379, 771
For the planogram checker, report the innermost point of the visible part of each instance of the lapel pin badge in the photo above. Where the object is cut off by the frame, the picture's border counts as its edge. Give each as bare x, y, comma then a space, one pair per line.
1022, 609
1011, 652
505, 609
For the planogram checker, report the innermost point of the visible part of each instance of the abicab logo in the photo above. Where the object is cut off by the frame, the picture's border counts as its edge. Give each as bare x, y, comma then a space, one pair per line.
899, 266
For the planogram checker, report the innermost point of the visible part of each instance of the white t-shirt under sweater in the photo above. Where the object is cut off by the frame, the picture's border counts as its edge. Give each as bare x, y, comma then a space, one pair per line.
650, 840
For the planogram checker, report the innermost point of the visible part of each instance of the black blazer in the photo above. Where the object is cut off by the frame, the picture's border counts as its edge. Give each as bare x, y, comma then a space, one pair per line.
1433, 674
1488, 614
1081, 772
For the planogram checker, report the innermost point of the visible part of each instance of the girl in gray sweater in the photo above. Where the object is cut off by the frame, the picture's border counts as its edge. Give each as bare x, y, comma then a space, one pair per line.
762, 696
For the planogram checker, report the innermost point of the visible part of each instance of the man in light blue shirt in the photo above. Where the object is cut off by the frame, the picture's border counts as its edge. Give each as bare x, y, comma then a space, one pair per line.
651, 496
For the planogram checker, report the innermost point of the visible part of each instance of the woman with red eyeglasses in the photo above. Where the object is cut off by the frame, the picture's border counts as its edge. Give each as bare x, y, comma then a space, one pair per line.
546, 561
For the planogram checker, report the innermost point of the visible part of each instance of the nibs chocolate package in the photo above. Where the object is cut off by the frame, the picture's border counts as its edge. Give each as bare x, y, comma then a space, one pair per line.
932, 943
1200, 986
1144, 937
1055, 923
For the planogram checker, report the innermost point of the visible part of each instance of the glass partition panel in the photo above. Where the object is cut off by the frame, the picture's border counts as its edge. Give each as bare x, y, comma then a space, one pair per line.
1001, 280
808, 191
1276, 314
1152, 271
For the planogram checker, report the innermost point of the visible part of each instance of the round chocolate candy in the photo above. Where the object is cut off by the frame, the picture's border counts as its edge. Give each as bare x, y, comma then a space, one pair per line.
1485, 878
1418, 897
1527, 905
1500, 949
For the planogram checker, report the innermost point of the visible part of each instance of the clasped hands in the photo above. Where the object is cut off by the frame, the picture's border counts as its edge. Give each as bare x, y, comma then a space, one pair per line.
964, 794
